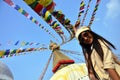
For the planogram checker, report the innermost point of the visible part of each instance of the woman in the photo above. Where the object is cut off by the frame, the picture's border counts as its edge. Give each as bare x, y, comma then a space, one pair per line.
101, 62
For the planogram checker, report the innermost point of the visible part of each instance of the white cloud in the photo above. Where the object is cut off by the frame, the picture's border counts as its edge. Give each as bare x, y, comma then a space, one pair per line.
113, 8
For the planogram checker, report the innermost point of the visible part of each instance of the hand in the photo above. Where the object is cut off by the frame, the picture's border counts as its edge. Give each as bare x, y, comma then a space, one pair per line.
92, 76
77, 23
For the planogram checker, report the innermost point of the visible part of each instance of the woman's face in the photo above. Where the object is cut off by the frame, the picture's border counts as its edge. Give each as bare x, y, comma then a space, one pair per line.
86, 37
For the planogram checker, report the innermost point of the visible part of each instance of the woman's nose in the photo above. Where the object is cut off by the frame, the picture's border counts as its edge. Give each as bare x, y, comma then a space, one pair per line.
85, 38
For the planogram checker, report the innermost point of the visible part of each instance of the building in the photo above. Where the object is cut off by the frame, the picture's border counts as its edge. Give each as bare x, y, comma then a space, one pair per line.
5, 73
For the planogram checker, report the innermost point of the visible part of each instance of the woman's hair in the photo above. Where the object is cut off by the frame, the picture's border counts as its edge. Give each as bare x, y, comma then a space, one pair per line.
97, 46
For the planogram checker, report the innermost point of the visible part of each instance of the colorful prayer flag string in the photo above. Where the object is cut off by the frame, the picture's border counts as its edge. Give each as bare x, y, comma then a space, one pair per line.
94, 12
23, 43
82, 6
44, 12
19, 9
14, 52
88, 6
65, 22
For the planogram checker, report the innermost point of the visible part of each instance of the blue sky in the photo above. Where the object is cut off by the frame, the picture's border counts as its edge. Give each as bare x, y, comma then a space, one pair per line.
15, 26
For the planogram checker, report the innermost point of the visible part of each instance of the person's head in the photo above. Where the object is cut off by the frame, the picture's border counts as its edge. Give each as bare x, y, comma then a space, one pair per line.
84, 35
86, 38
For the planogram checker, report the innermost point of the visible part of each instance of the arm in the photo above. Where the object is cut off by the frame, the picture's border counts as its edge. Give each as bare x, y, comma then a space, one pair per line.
109, 63
116, 59
76, 25
113, 74
91, 75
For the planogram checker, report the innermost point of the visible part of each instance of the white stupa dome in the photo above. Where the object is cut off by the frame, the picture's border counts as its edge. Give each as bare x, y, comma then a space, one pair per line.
5, 73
